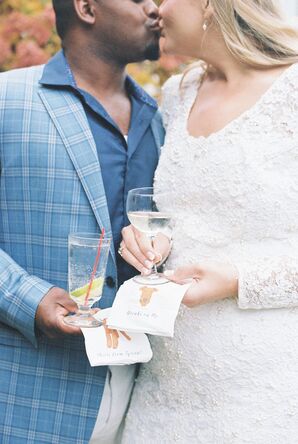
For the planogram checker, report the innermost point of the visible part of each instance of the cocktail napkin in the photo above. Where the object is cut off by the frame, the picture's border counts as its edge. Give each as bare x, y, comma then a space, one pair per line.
148, 309
106, 346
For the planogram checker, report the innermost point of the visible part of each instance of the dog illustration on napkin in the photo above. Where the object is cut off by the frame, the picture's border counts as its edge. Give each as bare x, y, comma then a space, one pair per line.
146, 295
112, 336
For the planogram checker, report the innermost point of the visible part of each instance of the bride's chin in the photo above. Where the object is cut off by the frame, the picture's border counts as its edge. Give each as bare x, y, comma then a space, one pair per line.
165, 47
169, 47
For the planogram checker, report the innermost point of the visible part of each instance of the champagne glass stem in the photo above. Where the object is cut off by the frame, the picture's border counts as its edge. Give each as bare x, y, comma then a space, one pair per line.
154, 272
154, 268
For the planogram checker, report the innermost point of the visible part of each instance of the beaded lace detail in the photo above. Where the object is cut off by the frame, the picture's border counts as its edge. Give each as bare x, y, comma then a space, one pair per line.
229, 376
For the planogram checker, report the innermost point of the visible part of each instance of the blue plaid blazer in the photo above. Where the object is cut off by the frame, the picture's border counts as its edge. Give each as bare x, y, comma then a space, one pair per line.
50, 185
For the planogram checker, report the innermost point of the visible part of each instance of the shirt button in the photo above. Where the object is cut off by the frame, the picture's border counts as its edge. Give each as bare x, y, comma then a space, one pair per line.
110, 282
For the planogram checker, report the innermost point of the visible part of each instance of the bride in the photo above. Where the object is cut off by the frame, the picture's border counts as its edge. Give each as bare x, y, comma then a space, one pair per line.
230, 374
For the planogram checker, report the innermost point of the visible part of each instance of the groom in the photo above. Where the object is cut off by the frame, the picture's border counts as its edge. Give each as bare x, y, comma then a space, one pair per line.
75, 136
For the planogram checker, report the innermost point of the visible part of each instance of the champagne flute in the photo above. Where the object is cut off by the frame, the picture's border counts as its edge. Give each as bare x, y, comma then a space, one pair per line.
143, 212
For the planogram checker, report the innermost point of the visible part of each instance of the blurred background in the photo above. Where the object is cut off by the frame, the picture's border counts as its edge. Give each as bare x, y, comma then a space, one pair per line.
28, 37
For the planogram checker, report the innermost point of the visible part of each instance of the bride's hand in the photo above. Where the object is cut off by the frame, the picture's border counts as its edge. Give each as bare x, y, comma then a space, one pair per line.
138, 250
212, 281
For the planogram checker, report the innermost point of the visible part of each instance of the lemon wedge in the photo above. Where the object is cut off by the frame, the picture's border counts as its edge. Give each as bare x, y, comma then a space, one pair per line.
79, 294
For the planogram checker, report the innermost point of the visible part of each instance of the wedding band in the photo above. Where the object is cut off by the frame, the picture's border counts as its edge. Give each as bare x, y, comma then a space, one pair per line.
120, 250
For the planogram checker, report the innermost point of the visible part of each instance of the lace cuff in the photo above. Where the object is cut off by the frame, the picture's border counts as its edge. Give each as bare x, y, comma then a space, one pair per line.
268, 283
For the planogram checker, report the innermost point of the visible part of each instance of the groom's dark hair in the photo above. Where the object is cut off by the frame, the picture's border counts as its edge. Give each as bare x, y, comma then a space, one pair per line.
65, 16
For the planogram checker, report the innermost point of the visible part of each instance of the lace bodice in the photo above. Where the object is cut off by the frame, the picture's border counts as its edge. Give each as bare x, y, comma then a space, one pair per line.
229, 374
243, 191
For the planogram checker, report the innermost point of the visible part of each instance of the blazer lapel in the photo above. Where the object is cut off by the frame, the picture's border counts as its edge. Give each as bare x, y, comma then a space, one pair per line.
68, 116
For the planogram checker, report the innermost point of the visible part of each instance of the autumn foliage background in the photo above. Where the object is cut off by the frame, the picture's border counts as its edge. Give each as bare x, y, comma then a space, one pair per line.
28, 37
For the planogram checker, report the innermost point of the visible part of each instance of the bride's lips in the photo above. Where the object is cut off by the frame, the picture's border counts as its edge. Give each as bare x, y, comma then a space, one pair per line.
154, 26
161, 27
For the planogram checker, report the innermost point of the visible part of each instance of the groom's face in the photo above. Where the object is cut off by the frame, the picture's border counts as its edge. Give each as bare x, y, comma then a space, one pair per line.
128, 30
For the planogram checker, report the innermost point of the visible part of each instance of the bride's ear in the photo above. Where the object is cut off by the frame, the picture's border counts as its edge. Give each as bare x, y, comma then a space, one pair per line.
207, 6
208, 11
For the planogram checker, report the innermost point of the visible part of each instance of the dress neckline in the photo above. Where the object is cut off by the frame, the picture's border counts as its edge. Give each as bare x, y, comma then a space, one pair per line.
189, 103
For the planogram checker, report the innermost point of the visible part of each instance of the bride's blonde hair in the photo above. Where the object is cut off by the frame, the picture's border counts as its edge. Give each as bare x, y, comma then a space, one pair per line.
256, 32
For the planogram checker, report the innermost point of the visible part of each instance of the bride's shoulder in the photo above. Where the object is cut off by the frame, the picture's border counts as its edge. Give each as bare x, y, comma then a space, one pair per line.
280, 103
285, 94
290, 82
182, 82
170, 90
170, 98
173, 82
178, 88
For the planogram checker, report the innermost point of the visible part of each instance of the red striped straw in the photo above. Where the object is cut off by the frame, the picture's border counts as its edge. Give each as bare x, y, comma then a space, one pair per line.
95, 266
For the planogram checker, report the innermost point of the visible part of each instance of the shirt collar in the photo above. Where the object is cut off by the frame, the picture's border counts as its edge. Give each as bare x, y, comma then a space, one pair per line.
58, 73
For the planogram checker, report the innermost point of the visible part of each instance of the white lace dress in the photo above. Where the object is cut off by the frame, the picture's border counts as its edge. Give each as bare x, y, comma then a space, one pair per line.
230, 374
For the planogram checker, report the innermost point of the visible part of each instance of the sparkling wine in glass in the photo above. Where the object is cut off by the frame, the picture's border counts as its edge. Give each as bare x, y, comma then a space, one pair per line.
144, 211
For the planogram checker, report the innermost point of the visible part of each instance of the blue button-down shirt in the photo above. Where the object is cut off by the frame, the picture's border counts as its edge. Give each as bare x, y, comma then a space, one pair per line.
124, 165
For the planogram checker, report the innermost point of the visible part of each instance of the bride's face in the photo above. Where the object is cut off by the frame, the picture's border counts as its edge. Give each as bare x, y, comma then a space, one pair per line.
182, 26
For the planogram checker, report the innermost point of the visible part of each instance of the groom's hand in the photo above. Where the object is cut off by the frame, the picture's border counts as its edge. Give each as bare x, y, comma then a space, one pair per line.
49, 318
138, 250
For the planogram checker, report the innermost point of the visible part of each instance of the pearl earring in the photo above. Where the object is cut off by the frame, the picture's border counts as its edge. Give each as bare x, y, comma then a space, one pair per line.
205, 25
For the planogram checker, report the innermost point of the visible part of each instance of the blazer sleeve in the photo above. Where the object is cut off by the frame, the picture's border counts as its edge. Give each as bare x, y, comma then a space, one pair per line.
20, 295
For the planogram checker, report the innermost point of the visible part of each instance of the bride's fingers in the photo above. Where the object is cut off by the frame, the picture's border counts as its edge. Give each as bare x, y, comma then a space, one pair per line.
132, 252
193, 296
182, 274
162, 247
144, 244
132, 260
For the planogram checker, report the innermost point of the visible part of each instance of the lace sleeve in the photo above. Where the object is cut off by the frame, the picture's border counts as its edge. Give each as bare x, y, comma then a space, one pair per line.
268, 283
